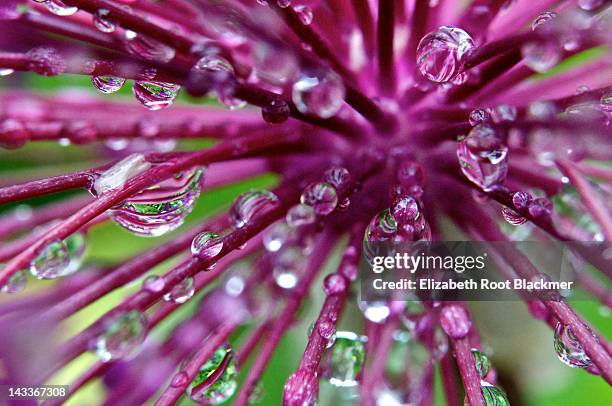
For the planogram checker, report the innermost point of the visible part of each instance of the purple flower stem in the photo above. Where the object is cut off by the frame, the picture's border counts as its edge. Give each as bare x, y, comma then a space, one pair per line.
285, 318
418, 23
449, 380
365, 21
186, 375
478, 21
519, 15
456, 323
604, 174
595, 288
220, 152
384, 36
495, 48
426, 385
14, 222
373, 376
332, 307
50, 185
589, 197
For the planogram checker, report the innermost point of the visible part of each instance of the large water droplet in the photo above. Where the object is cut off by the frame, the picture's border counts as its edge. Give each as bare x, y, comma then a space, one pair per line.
541, 55
217, 380
321, 196
103, 22
483, 157
345, 360
513, 217
288, 267
206, 245
300, 214
251, 204
155, 95
122, 337
181, 292
440, 53
493, 396
107, 84
161, 208
59, 258
16, 283
568, 348
543, 19
148, 48
320, 94
60, 8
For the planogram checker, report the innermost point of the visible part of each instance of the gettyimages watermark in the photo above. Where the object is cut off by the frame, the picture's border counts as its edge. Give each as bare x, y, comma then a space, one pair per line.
475, 271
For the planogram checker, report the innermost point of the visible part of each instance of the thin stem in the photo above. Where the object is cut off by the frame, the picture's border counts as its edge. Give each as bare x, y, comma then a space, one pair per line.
366, 23
384, 35
589, 196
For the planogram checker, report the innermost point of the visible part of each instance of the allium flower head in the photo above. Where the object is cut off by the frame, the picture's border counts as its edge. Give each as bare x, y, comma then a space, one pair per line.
335, 126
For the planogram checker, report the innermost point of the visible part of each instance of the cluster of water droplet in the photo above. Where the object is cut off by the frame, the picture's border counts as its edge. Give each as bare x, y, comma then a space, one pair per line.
217, 379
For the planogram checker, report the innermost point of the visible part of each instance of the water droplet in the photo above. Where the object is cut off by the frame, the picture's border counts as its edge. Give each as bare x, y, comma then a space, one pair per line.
319, 94
60, 8
334, 284
440, 53
483, 157
13, 134
504, 113
161, 208
179, 379
542, 19
283, 3
541, 55
107, 84
155, 95
541, 110
118, 174
304, 13
375, 311
217, 380
478, 116
153, 283
345, 360
103, 22
321, 196
482, 362
181, 292
117, 144
122, 337
406, 210
540, 207
338, 177
288, 266
251, 204
276, 111
16, 283
300, 214
148, 48
45, 61
382, 227
5, 71
590, 5
275, 236
206, 245
493, 396
513, 217
59, 258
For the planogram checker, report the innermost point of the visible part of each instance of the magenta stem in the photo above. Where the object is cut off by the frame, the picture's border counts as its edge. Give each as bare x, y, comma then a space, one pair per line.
365, 20
384, 36
284, 320
594, 204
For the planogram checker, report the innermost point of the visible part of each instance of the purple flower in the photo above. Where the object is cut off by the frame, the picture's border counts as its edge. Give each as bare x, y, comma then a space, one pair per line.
380, 118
